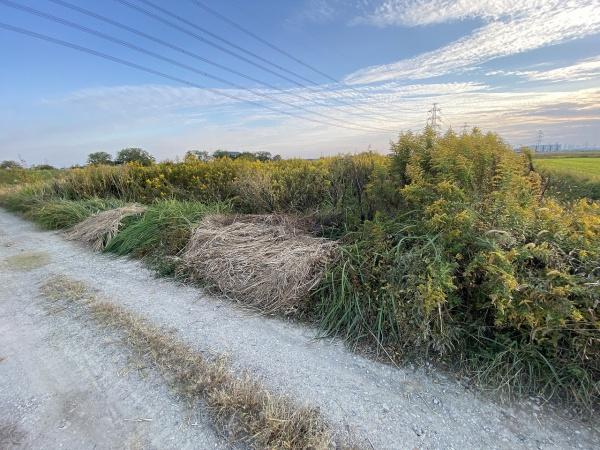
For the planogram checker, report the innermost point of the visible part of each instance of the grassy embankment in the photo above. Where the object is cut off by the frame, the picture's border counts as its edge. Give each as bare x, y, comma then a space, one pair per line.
447, 250
571, 176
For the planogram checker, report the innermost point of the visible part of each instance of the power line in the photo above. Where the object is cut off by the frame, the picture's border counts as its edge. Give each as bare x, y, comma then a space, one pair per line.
172, 61
191, 54
272, 46
231, 44
158, 73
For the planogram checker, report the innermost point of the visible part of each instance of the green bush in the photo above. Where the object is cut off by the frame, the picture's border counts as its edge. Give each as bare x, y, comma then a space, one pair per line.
479, 269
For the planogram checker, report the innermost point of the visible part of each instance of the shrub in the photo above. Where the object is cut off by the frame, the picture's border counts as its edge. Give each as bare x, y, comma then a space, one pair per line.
479, 269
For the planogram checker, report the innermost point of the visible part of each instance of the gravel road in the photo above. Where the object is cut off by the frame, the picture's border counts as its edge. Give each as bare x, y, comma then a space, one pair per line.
66, 384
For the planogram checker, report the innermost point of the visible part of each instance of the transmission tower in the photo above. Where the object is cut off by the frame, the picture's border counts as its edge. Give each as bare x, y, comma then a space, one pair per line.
465, 128
435, 118
539, 140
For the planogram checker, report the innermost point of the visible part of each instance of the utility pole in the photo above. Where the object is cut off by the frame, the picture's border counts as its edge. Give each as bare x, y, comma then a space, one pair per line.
435, 118
539, 140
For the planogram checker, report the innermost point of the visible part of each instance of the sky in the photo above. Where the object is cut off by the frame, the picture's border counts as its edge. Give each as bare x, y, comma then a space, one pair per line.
299, 78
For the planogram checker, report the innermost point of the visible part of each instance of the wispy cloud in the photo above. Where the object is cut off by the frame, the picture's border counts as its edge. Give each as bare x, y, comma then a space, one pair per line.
587, 69
512, 28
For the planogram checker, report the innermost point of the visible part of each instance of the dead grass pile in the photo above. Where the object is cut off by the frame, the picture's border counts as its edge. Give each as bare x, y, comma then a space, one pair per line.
96, 231
241, 407
268, 261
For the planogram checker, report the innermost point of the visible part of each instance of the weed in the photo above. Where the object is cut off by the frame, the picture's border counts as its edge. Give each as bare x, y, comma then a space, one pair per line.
27, 260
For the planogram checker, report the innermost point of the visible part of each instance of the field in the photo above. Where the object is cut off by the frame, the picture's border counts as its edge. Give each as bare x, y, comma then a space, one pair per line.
450, 249
572, 177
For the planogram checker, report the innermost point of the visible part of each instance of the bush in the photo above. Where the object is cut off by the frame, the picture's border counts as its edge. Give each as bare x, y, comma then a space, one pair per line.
479, 269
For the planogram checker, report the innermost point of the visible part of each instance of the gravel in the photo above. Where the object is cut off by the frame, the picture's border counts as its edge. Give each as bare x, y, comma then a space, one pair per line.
50, 360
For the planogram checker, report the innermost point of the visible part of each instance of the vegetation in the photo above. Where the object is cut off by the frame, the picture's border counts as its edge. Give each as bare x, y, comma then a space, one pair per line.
99, 158
240, 406
452, 248
19, 176
162, 232
134, 155
58, 214
572, 177
8, 164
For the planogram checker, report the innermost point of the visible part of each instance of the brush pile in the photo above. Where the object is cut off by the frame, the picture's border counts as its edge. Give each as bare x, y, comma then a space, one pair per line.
97, 230
268, 261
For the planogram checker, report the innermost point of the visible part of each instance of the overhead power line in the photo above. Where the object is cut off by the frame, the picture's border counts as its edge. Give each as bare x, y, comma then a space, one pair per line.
176, 63
278, 49
233, 45
158, 73
186, 52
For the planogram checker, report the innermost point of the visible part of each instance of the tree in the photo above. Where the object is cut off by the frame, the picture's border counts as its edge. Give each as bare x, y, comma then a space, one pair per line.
99, 158
226, 154
263, 156
7, 164
44, 167
198, 155
137, 155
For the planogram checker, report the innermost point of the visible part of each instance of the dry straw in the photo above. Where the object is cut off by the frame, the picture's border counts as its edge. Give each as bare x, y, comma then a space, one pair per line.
268, 261
97, 230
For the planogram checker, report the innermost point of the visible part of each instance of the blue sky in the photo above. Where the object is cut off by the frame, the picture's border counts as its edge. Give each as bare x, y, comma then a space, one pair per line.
512, 66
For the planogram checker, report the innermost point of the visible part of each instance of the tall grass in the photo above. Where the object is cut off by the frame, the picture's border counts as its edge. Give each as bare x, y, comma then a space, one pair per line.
162, 231
59, 214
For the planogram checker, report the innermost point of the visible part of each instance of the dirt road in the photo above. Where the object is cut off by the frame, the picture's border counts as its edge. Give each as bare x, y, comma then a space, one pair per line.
67, 384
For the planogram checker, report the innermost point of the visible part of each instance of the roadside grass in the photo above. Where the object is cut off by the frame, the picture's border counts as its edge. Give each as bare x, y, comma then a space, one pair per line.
59, 214
162, 232
27, 260
267, 261
241, 407
97, 230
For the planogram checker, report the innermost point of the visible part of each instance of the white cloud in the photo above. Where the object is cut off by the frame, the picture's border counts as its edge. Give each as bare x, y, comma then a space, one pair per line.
426, 12
512, 28
170, 122
587, 69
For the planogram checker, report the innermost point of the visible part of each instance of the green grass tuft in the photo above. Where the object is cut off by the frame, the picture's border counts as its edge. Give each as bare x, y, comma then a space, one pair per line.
59, 214
162, 232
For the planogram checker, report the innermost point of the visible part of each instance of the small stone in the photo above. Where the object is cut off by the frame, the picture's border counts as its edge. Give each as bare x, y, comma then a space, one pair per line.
418, 431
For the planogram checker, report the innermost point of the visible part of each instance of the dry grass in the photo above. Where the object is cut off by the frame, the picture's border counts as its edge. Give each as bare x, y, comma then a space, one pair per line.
96, 231
27, 260
268, 261
241, 407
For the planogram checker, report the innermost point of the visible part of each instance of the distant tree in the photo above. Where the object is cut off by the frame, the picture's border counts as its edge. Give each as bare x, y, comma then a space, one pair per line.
43, 167
226, 154
98, 158
247, 155
276, 158
263, 156
198, 155
7, 164
138, 155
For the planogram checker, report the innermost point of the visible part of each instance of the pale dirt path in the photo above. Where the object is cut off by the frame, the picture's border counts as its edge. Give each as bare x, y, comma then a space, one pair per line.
393, 408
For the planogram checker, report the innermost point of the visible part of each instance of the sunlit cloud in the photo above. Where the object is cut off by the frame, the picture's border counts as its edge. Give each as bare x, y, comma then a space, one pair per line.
512, 28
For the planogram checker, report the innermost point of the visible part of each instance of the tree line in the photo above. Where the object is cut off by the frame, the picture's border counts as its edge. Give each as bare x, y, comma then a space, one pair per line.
144, 158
